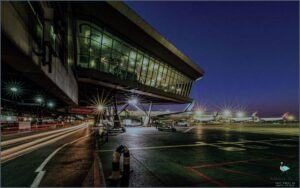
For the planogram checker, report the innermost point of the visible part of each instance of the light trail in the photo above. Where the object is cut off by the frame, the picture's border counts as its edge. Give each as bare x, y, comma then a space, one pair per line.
16, 140
42, 172
20, 150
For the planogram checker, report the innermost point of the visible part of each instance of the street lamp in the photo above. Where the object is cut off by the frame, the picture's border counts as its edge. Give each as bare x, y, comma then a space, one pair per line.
50, 104
240, 114
14, 89
39, 99
199, 112
226, 113
133, 101
100, 108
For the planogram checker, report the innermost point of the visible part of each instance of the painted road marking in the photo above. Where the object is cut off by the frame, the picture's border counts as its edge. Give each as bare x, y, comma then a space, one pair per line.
209, 179
42, 172
231, 148
253, 146
226, 163
195, 145
188, 129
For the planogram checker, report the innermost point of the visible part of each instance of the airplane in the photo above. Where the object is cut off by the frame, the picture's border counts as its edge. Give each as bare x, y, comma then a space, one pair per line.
207, 118
253, 118
273, 119
181, 114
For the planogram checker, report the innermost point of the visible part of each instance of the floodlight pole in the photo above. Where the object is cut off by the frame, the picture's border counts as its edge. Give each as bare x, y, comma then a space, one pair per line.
117, 123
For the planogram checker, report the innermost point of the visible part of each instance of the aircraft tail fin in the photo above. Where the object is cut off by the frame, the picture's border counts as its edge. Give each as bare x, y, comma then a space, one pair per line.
285, 115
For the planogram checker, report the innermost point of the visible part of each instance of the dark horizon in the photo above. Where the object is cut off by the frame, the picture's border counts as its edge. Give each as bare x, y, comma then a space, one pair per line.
248, 50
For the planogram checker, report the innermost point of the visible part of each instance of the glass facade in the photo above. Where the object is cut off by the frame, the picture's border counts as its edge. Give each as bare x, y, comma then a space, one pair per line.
98, 49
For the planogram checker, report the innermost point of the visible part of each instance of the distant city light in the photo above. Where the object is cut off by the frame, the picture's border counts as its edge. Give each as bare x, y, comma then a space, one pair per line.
227, 113
240, 114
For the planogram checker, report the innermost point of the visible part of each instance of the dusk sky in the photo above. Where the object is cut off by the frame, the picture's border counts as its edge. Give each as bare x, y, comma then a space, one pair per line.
248, 50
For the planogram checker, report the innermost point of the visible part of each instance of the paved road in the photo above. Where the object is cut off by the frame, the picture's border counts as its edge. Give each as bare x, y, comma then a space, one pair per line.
204, 156
65, 162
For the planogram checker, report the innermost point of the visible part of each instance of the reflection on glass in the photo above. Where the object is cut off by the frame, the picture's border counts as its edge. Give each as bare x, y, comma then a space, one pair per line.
98, 49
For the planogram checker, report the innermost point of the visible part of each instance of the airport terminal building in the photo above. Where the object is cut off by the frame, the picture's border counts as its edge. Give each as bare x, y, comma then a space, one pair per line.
76, 49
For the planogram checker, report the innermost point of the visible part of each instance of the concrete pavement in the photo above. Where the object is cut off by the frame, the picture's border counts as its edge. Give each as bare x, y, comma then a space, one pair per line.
203, 156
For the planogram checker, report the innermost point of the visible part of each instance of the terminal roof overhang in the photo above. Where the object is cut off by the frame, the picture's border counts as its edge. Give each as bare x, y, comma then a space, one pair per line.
120, 18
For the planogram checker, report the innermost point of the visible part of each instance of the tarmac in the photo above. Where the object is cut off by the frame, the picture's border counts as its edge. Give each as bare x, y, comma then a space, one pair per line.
207, 156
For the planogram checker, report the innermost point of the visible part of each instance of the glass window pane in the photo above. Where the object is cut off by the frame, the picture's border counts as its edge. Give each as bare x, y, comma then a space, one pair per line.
84, 29
149, 72
117, 46
139, 63
83, 61
107, 41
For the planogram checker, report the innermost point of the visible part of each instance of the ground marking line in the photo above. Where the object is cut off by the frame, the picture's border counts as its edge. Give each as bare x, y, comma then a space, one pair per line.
192, 145
226, 163
188, 129
209, 179
42, 172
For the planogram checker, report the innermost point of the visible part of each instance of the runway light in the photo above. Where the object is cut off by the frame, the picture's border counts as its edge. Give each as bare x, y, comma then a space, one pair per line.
226, 113
240, 114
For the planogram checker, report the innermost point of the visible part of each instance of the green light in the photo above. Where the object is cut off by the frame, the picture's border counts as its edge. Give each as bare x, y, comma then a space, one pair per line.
14, 89
39, 99
50, 104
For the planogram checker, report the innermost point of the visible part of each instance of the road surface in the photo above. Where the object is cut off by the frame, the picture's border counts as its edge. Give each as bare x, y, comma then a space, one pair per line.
207, 156
61, 157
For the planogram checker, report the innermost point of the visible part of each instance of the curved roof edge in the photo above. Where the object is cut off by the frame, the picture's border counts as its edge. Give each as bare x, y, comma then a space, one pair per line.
141, 23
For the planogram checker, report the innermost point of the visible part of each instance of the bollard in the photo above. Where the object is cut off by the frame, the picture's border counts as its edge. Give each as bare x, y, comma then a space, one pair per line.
116, 175
115, 166
126, 161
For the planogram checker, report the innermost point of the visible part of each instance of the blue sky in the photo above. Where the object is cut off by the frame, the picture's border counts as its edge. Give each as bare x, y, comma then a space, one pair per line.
249, 50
